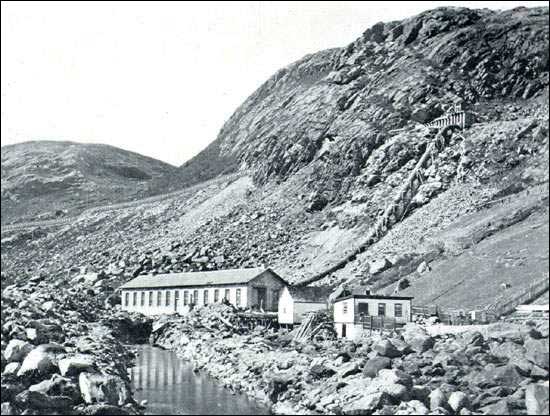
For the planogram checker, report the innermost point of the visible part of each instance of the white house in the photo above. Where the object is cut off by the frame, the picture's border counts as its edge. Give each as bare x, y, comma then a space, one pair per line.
295, 302
356, 312
176, 292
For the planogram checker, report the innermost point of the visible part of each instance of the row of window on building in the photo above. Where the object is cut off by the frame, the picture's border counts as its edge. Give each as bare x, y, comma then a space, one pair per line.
163, 297
363, 309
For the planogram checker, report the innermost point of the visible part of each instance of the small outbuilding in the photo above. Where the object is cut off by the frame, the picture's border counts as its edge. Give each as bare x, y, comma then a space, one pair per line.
355, 313
296, 302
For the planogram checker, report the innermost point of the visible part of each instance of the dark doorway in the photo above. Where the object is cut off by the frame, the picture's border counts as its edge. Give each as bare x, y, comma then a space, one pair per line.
262, 297
343, 330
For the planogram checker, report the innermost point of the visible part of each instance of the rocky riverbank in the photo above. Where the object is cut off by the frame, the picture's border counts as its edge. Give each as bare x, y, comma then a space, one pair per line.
502, 371
60, 355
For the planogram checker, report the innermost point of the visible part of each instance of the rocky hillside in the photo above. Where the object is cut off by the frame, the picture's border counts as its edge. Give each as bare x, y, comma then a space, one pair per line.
333, 109
326, 144
44, 180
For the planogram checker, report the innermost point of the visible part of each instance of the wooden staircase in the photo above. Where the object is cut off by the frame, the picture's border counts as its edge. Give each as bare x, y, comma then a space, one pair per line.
398, 207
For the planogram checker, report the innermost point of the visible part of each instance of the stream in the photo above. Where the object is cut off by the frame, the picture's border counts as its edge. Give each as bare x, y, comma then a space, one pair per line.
171, 387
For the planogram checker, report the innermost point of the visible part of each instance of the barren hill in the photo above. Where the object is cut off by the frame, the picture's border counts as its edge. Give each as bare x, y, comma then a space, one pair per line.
45, 179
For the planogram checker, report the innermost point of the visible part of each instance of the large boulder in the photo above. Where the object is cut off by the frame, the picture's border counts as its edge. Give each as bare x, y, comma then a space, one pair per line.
536, 351
374, 365
17, 350
385, 348
536, 399
58, 386
99, 388
437, 399
72, 366
40, 401
421, 343
41, 360
366, 404
458, 401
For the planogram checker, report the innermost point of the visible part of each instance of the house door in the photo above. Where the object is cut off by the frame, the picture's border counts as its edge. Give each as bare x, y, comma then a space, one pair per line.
343, 330
262, 297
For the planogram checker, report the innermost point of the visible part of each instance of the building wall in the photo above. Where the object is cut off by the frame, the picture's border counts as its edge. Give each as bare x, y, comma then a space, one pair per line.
390, 308
180, 307
291, 312
342, 317
274, 287
285, 314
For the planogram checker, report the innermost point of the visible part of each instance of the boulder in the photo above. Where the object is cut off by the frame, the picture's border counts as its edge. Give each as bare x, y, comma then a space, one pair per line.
458, 401
536, 351
374, 365
99, 388
58, 386
366, 405
41, 401
395, 376
321, 371
378, 266
11, 368
500, 407
17, 350
536, 399
438, 399
39, 361
385, 348
421, 343
104, 409
413, 407
349, 369
73, 366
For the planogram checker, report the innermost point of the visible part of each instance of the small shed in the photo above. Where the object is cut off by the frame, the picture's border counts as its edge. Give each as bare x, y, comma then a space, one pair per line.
296, 302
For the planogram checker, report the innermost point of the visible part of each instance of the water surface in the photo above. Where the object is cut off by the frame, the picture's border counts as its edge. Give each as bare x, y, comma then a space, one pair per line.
171, 388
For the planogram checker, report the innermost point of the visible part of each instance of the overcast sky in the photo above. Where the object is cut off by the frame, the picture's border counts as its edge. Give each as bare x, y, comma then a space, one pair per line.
161, 78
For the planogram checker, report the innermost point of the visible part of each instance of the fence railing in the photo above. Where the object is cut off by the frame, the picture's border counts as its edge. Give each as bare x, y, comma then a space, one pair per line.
370, 322
532, 292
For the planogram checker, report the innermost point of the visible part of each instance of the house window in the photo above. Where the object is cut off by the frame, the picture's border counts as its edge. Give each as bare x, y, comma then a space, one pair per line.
127, 299
205, 295
167, 299
185, 297
176, 297
345, 308
381, 309
159, 298
363, 309
216, 295
238, 302
151, 298
195, 297
134, 298
227, 294
398, 310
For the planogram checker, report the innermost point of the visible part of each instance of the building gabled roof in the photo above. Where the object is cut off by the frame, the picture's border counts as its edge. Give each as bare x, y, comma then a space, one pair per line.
317, 294
192, 279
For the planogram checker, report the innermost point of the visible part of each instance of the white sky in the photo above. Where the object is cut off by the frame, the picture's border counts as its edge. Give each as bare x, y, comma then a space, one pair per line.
161, 78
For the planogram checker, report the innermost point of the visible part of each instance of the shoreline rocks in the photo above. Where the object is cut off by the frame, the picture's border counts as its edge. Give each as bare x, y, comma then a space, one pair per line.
388, 374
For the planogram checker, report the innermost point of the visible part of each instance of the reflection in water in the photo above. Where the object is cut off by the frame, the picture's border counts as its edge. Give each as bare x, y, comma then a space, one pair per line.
170, 387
